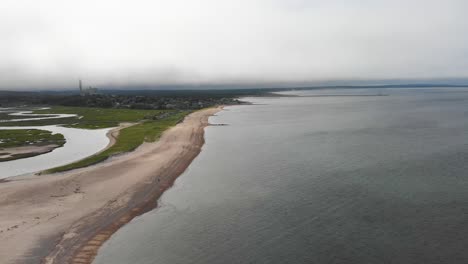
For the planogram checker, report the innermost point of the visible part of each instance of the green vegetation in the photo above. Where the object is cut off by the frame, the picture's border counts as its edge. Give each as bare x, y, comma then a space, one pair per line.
28, 137
93, 118
130, 99
131, 137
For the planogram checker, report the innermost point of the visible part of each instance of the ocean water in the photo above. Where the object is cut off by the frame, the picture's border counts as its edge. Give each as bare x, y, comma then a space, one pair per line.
330, 176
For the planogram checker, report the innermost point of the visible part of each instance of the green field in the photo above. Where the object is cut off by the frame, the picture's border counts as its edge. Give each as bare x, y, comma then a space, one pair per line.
28, 137
130, 137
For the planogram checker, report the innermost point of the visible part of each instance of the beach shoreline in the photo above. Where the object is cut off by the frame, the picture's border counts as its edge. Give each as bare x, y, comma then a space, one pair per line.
65, 218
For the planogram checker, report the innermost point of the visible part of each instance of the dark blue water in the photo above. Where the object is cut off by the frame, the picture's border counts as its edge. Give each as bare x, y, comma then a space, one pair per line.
329, 179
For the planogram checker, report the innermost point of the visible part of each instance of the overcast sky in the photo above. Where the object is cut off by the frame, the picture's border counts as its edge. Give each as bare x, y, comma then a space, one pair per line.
50, 44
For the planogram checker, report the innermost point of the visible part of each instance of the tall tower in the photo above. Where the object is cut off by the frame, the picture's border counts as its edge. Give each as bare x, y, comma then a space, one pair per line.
81, 87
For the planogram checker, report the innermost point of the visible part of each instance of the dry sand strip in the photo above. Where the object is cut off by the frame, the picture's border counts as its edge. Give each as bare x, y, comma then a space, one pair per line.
65, 218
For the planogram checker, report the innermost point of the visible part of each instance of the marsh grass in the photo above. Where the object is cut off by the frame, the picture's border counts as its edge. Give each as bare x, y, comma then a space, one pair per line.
91, 118
28, 137
95, 118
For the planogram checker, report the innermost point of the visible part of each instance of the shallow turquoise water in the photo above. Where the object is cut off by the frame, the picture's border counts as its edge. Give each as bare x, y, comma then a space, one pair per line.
329, 179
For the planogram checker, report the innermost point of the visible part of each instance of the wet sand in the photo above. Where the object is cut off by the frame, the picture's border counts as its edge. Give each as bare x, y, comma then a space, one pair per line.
26, 151
64, 218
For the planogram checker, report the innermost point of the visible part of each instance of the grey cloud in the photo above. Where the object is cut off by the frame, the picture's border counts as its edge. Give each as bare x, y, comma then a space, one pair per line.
51, 43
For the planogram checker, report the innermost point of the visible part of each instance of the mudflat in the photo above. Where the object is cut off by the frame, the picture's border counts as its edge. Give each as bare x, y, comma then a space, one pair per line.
25, 151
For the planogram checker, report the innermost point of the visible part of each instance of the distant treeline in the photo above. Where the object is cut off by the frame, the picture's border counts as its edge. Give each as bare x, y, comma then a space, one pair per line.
141, 99
161, 99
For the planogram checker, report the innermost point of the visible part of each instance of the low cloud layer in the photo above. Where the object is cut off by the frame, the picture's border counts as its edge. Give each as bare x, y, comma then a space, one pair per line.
49, 44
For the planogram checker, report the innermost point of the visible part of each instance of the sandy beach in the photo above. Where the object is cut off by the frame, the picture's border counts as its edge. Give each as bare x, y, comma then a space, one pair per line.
64, 218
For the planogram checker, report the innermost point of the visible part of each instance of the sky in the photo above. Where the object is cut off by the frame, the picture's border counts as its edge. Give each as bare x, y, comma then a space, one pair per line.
50, 44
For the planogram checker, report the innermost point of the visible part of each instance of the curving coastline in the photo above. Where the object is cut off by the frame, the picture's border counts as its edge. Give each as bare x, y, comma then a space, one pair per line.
65, 218
114, 133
